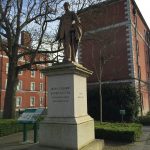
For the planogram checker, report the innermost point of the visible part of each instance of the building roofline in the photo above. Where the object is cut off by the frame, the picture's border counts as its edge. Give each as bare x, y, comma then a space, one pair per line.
134, 3
107, 2
100, 4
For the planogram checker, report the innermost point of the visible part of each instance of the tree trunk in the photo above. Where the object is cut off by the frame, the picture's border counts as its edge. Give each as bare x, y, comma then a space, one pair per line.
101, 102
10, 99
100, 93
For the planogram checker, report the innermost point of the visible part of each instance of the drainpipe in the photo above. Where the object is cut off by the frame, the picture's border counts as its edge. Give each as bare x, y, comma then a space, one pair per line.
1, 75
45, 86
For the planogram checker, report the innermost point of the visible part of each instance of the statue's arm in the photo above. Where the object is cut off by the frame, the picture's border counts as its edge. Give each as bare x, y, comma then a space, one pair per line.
77, 27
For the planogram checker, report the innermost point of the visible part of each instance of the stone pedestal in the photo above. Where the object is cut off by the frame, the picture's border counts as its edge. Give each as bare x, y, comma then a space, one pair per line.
67, 125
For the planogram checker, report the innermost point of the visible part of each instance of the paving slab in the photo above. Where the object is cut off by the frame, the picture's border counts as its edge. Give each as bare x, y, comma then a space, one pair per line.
144, 142
15, 141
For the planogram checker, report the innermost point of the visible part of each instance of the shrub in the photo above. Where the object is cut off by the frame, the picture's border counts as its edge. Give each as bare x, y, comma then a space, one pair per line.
115, 97
10, 126
125, 132
148, 114
145, 120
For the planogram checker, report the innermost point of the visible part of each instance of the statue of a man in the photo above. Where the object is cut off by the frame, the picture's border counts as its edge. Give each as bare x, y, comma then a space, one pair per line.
69, 33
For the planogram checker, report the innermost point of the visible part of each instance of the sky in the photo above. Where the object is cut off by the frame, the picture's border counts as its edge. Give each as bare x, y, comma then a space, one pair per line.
144, 6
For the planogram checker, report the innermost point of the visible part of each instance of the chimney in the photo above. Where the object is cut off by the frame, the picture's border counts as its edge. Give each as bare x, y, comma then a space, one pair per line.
25, 39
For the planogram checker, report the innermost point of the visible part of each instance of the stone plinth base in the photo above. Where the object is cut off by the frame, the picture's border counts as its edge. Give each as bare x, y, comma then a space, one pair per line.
67, 133
94, 145
68, 125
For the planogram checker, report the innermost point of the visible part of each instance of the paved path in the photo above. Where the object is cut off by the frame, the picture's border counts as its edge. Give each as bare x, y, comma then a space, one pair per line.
14, 142
144, 142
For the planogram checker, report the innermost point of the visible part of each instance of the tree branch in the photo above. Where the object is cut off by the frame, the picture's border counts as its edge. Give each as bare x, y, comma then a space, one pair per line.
29, 11
7, 7
19, 8
4, 48
51, 20
4, 35
39, 52
28, 65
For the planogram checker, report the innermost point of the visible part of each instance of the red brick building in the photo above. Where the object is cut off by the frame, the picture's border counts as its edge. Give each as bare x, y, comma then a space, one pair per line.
31, 89
116, 33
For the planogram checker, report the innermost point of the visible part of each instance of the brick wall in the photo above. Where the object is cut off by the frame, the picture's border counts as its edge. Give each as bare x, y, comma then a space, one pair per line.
105, 34
25, 92
112, 30
141, 54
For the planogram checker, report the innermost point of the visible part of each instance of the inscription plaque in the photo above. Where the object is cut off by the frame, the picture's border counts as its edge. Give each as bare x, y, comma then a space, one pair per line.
60, 94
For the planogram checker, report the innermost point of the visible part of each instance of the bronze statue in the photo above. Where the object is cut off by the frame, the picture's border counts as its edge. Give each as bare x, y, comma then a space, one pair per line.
69, 33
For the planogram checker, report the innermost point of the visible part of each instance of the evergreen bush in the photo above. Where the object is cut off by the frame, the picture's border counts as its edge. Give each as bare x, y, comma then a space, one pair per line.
116, 97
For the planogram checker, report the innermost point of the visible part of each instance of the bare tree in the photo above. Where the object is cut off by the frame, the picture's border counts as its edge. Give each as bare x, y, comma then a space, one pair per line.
100, 57
103, 52
34, 16
16, 16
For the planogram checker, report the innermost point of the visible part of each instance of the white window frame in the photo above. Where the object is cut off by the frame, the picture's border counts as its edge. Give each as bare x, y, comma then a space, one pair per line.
20, 73
21, 58
18, 103
19, 86
41, 86
41, 59
41, 101
7, 66
5, 83
41, 75
32, 103
32, 73
32, 86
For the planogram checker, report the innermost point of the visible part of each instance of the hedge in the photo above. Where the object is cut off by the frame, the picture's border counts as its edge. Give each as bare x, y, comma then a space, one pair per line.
125, 132
10, 126
145, 120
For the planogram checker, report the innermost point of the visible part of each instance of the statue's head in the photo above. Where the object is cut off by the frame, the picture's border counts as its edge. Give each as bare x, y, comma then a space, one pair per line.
66, 6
